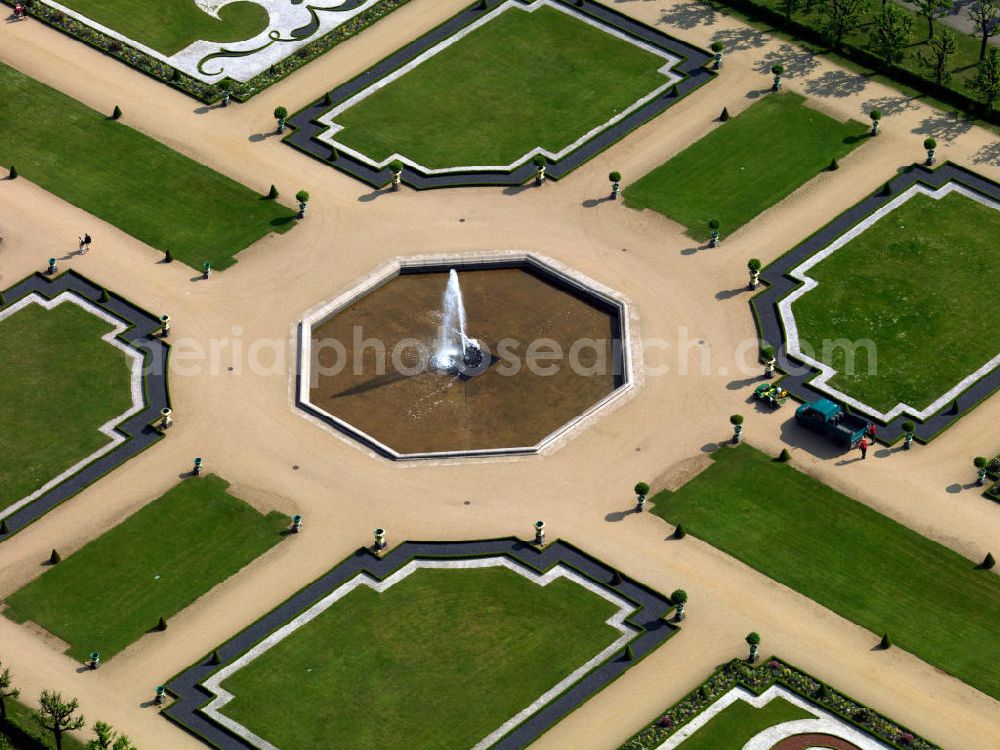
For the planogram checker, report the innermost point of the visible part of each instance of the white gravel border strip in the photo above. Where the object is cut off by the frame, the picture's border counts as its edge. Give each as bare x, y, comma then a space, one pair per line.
329, 136
617, 621
108, 428
823, 723
283, 18
800, 273
631, 349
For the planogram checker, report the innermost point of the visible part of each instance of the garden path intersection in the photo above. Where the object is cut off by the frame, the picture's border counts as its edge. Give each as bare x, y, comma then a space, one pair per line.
248, 432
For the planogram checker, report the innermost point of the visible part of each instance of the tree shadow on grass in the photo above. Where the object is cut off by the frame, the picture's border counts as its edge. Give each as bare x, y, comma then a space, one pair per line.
945, 126
836, 83
689, 15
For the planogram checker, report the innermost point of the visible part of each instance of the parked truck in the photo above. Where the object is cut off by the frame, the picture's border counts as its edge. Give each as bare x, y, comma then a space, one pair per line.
830, 419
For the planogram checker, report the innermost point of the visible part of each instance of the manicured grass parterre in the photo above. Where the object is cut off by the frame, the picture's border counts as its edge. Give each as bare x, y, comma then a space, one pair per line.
154, 564
746, 165
59, 382
521, 81
169, 26
911, 284
844, 555
738, 723
439, 660
126, 178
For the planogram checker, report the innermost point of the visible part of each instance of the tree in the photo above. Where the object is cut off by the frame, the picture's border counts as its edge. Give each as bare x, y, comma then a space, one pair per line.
943, 46
986, 84
641, 488
931, 9
885, 642
891, 33
6, 691
109, 739
843, 17
791, 7
56, 715
985, 15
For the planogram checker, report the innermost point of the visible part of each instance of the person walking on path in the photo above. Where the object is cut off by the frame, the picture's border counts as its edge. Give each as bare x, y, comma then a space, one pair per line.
85, 243
871, 432
863, 445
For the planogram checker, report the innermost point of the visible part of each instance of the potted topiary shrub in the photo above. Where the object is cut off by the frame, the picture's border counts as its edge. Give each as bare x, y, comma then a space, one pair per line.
753, 641
713, 229
777, 71
753, 266
717, 48
908, 427
303, 198
616, 184
539, 162
768, 357
679, 599
930, 145
736, 420
396, 167
280, 113
641, 490
876, 116
980, 463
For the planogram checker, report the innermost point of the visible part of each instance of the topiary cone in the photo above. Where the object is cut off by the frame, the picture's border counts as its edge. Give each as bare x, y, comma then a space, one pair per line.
4, 529
628, 655
54, 558
674, 92
214, 659
327, 101
887, 189
334, 155
104, 296
117, 113
161, 625
679, 532
2, 300
988, 562
272, 193
885, 643
724, 117
616, 579
168, 257
13, 172
784, 455
833, 164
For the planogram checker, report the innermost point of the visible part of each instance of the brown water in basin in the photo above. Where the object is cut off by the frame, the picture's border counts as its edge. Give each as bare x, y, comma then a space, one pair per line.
377, 377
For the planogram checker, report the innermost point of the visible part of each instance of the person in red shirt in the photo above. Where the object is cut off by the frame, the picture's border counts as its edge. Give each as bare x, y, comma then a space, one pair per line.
863, 445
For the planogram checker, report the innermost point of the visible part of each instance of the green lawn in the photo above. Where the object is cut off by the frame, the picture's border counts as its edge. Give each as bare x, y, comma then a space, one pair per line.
21, 715
153, 564
127, 179
438, 661
909, 284
169, 26
737, 723
746, 166
852, 560
521, 81
59, 383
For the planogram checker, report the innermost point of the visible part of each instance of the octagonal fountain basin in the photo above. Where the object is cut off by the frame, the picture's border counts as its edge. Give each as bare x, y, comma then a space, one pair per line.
458, 357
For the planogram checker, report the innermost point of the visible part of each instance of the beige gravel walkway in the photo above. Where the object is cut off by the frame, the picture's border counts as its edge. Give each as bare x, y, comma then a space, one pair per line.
245, 428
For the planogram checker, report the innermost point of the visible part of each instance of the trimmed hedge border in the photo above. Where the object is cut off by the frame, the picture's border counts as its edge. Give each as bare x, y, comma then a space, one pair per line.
864, 57
138, 429
693, 65
206, 92
649, 618
779, 285
737, 673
